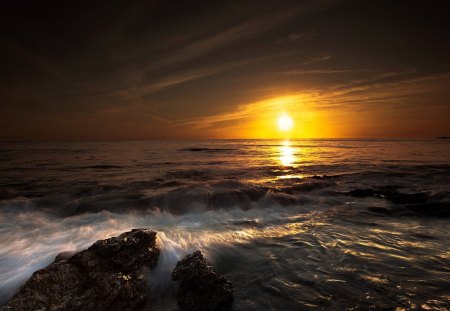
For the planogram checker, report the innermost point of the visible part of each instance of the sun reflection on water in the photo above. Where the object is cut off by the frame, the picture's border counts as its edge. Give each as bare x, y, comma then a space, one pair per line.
190, 240
287, 155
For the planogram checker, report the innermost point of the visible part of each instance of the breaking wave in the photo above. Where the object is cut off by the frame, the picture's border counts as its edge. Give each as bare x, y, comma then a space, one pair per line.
300, 225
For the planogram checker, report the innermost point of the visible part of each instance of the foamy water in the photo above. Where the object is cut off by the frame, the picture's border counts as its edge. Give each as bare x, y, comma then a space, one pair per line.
295, 225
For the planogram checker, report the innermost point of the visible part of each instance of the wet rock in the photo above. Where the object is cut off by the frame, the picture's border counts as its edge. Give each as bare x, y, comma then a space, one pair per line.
380, 210
201, 287
408, 204
390, 193
362, 193
63, 255
432, 208
106, 276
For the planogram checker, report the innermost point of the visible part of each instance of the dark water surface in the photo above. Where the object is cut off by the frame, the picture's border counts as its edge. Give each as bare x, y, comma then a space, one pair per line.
312, 224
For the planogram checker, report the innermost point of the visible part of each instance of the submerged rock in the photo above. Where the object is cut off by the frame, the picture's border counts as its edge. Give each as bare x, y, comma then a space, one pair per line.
109, 275
407, 204
201, 287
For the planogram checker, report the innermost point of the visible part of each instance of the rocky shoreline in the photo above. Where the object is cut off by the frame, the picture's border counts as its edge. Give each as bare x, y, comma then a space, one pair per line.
111, 275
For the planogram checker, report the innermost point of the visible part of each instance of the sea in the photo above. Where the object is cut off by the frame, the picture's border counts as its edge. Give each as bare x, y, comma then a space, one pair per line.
294, 225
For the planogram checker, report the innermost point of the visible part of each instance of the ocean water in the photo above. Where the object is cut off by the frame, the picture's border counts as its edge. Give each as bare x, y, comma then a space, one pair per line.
295, 225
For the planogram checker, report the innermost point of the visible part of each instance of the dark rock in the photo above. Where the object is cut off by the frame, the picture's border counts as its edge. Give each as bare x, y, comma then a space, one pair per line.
391, 194
380, 210
432, 208
408, 198
362, 193
109, 275
201, 287
408, 204
127, 253
63, 255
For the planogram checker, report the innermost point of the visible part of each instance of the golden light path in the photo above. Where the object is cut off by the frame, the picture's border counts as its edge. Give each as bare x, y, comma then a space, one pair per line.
287, 156
181, 239
285, 124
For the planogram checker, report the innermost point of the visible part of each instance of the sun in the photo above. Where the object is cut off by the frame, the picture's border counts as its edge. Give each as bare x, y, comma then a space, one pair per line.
285, 123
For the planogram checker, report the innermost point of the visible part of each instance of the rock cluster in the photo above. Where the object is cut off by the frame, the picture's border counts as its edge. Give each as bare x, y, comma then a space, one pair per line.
201, 287
109, 275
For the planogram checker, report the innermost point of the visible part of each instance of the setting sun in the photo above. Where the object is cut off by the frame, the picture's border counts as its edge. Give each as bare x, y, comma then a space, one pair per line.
285, 123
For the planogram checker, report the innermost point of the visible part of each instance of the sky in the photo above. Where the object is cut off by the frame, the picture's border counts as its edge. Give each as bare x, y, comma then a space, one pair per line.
118, 70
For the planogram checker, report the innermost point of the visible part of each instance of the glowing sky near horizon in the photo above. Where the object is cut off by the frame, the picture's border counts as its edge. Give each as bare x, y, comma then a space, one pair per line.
77, 70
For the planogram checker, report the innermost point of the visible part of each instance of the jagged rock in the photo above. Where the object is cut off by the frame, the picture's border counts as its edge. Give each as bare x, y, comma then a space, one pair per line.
201, 287
63, 255
109, 275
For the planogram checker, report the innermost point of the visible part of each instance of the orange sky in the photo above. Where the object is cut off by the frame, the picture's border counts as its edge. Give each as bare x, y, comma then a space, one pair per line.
228, 69
391, 110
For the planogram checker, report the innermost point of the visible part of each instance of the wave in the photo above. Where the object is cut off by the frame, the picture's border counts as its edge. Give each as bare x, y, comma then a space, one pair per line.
267, 251
184, 191
43, 236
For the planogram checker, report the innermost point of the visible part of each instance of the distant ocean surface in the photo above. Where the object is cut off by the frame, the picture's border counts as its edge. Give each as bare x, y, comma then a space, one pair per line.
295, 225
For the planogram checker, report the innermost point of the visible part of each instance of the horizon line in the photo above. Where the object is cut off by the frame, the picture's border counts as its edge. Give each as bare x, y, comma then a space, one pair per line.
223, 139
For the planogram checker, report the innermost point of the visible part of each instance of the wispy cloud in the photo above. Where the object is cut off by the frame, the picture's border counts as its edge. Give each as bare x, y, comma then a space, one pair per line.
205, 71
337, 100
206, 45
297, 72
297, 36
